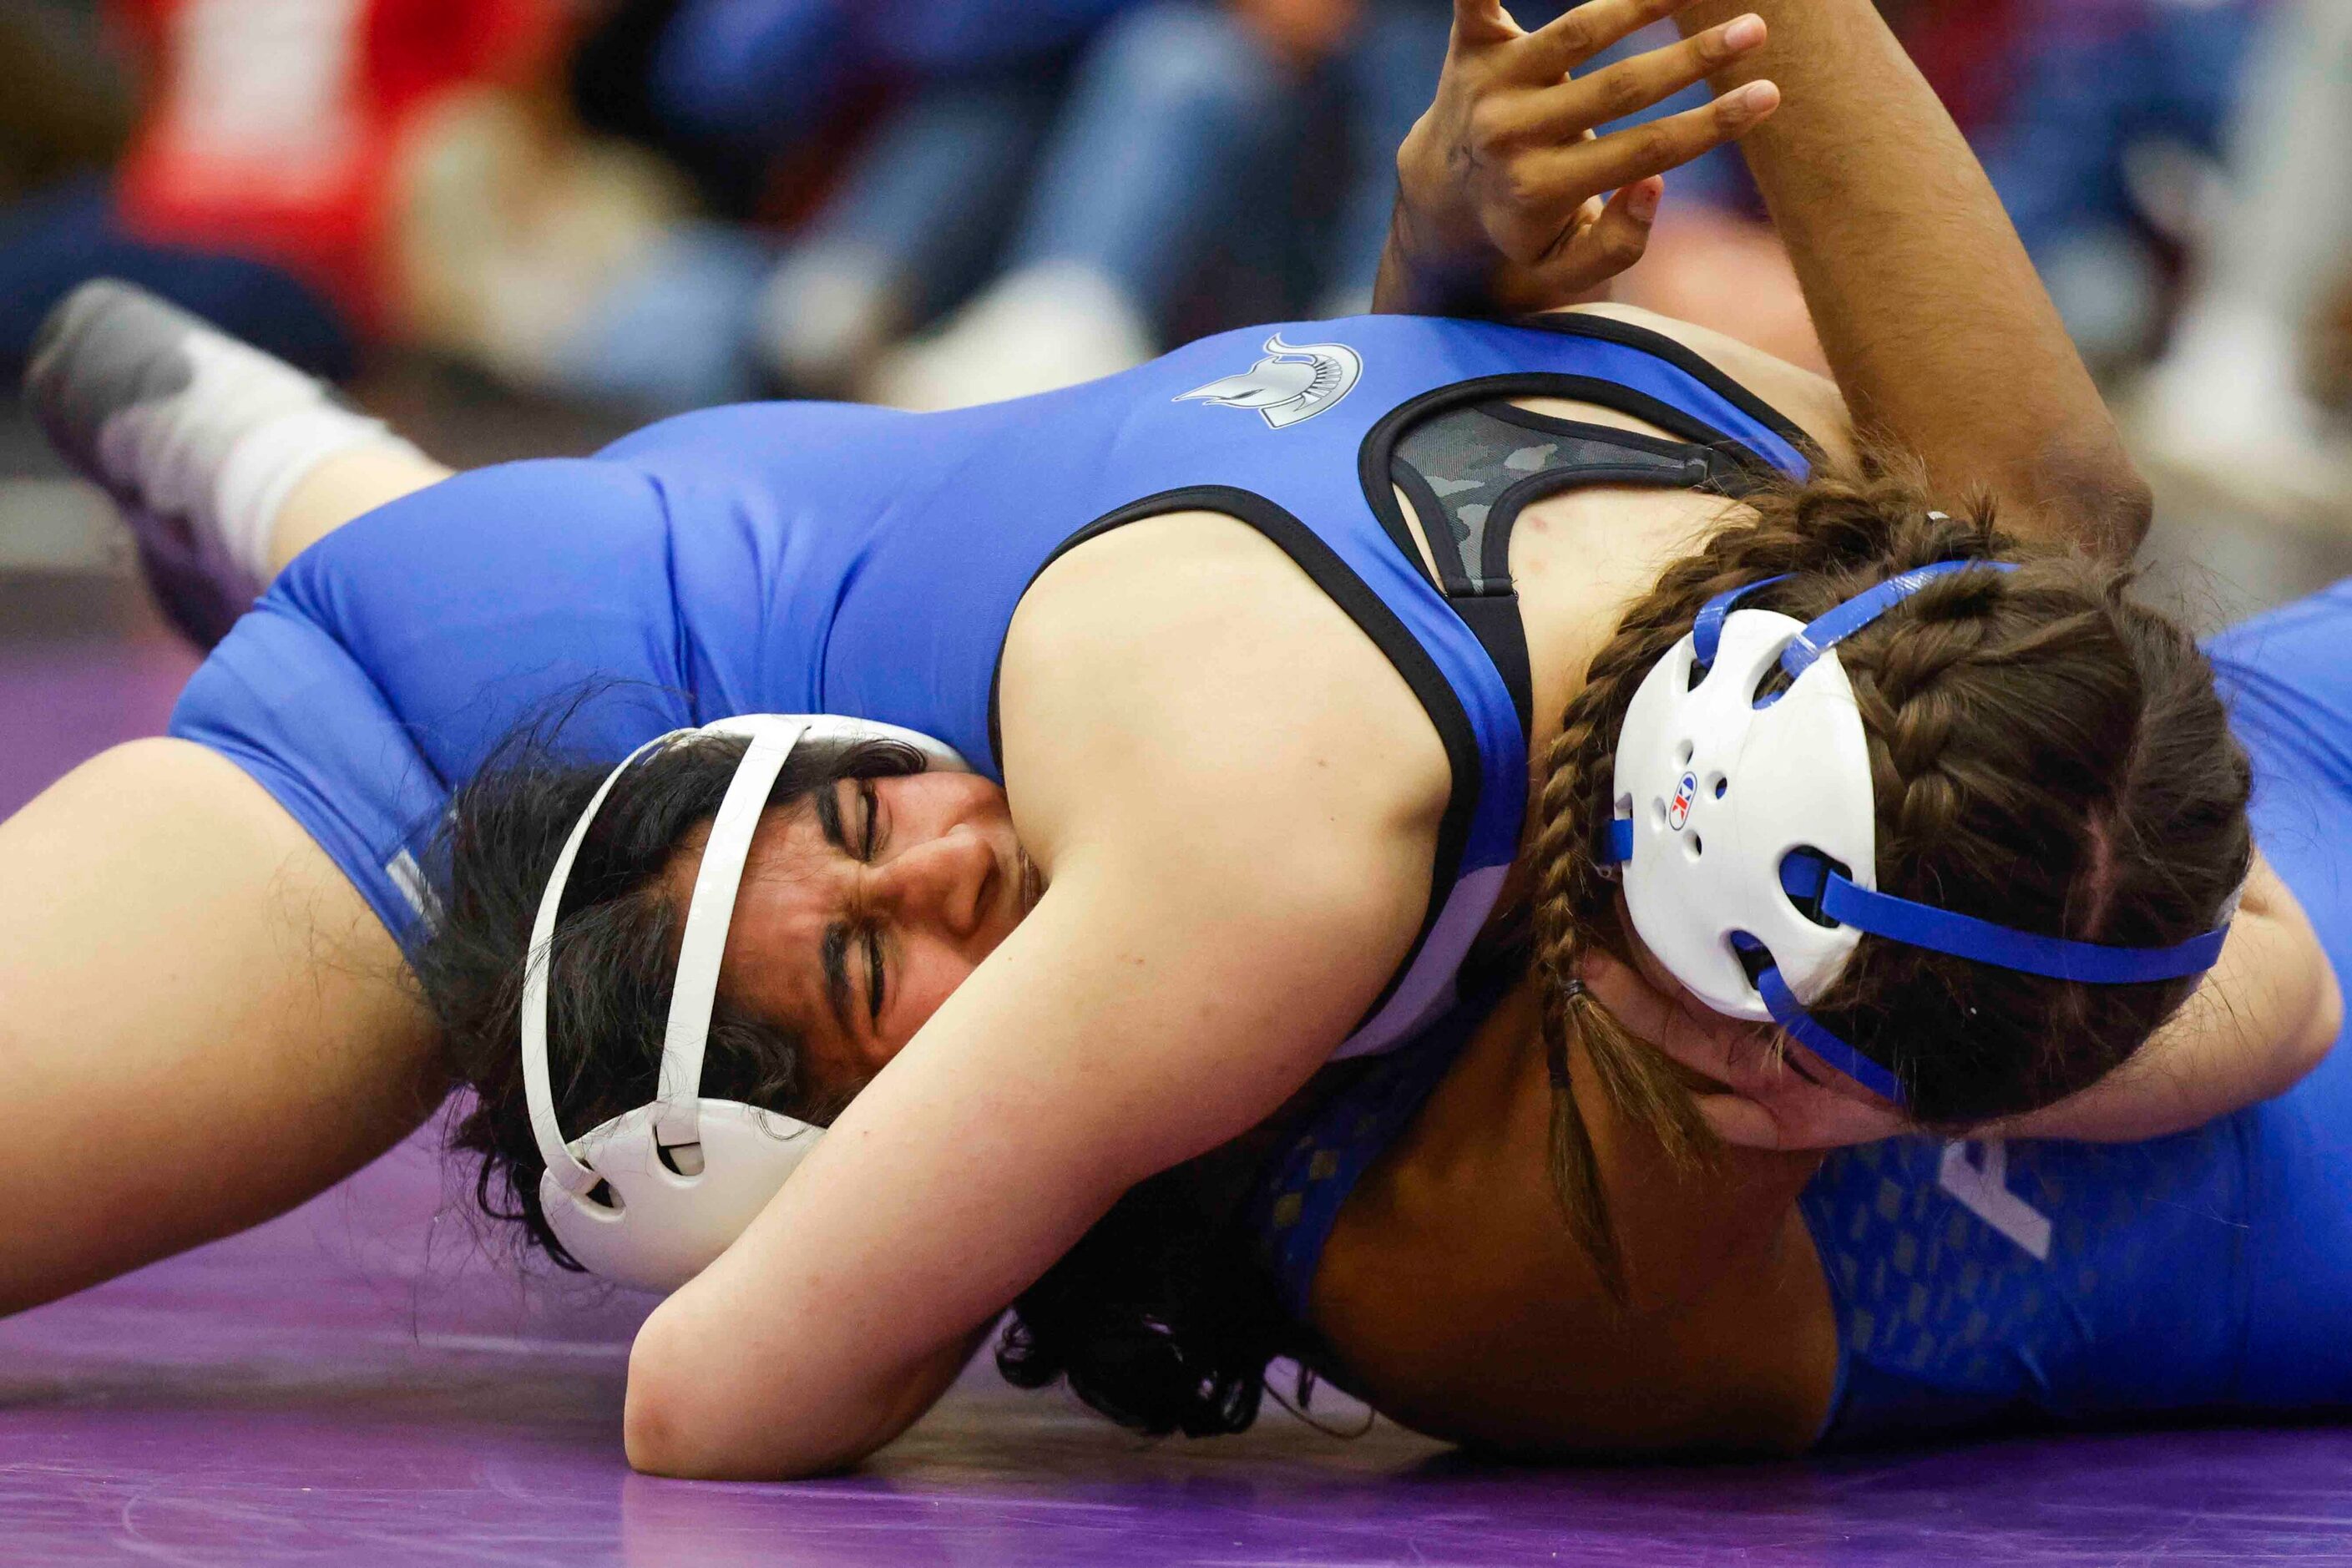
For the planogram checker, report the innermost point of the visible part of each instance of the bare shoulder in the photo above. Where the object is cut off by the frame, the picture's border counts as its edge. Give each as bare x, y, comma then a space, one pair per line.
1812, 401
1181, 682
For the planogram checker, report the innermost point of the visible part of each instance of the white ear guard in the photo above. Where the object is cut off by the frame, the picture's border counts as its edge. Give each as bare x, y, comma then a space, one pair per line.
683, 1175
1746, 830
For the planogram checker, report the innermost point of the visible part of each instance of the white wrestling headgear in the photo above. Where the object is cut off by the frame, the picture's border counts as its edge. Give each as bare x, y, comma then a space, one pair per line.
1746, 826
685, 1174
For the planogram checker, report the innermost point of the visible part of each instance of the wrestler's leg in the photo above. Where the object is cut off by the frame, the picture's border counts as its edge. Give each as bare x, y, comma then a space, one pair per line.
201, 1022
348, 485
204, 1024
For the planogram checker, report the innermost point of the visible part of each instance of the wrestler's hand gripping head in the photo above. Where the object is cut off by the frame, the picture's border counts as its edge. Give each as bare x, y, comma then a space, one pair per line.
1746, 828
681, 1177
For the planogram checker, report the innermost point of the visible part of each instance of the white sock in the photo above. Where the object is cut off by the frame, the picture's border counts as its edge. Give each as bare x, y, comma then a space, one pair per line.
264, 465
226, 450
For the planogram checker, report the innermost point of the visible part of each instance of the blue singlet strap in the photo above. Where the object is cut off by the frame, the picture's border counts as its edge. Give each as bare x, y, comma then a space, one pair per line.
1865, 607
1707, 632
1620, 841
1790, 1015
1964, 936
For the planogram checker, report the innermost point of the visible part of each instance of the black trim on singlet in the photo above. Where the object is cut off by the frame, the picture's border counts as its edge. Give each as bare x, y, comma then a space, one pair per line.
1684, 358
1709, 460
1331, 573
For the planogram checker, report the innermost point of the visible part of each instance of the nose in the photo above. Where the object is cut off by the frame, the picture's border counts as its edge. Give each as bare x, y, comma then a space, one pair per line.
942, 883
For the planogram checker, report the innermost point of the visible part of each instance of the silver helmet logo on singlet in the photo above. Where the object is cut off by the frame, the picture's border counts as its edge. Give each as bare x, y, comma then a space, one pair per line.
1294, 381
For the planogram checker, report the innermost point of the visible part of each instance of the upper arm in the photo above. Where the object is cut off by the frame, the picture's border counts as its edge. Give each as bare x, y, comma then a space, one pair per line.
1227, 894
2291, 964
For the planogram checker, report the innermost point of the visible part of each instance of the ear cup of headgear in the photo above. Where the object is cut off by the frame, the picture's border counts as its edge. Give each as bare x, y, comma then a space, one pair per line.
661, 1217
1721, 792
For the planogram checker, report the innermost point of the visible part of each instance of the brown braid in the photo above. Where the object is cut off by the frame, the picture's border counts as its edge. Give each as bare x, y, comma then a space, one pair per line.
2045, 752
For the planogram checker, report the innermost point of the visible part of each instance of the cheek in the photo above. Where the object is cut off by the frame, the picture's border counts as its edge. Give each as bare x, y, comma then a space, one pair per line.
926, 978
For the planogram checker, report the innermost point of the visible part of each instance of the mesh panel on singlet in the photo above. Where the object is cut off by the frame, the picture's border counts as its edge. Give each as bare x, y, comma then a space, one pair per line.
1475, 466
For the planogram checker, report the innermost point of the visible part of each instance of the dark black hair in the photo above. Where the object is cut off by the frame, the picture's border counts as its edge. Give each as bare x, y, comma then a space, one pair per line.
613, 960
1162, 1317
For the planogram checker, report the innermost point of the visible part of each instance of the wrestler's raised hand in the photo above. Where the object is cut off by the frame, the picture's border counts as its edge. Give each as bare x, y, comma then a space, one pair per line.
1501, 183
1781, 1096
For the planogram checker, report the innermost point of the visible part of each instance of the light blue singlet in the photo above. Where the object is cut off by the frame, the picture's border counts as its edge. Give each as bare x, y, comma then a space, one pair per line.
827, 558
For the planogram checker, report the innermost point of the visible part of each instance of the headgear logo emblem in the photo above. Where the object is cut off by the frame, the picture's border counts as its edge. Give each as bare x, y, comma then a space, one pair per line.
1294, 381
1678, 809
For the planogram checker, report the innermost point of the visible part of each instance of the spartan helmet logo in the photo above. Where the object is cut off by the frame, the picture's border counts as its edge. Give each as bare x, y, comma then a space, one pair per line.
1294, 381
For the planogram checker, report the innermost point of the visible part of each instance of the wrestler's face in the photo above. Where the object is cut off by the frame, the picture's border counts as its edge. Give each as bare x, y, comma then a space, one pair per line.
862, 908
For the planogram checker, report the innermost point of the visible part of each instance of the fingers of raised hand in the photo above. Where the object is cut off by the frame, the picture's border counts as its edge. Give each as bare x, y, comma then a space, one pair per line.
1622, 157
1574, 37
1632, 86
1480, 22
1602, 242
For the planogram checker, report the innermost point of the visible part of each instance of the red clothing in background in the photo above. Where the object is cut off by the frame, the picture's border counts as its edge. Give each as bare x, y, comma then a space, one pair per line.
272, 128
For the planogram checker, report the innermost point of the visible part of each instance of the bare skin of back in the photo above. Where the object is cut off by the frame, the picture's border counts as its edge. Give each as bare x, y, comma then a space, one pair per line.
1459, 1304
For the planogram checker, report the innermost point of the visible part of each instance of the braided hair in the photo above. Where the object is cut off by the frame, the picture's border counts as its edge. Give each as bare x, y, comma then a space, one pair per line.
2045, 752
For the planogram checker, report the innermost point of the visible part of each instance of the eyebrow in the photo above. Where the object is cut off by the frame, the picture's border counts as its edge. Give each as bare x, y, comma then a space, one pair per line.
828, 817
834, 952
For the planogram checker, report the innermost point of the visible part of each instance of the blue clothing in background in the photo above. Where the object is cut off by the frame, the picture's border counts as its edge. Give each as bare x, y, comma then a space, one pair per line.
766, 70
64, 236
2096, 79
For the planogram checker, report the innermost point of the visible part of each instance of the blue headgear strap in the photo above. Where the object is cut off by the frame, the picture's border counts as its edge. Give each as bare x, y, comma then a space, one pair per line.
1809, 876
1790, 1015
1865, 607
1964, 936
1707, 632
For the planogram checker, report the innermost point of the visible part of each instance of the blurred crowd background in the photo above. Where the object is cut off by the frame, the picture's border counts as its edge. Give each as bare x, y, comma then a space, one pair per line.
519, 226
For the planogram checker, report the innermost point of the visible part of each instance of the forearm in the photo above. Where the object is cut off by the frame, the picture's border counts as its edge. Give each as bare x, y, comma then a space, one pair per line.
1934, 320
2264, 1016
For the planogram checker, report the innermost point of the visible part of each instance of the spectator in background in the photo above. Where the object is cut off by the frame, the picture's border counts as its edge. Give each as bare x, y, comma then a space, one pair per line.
2103, 90
1175, 119
920, 208
239, 195
2230, 403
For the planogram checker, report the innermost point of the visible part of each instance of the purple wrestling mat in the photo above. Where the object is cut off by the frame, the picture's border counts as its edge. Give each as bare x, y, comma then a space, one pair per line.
358, 1384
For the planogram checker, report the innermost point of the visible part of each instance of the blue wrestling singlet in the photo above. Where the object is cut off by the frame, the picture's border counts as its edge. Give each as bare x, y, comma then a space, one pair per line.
1989, 1285
827, 558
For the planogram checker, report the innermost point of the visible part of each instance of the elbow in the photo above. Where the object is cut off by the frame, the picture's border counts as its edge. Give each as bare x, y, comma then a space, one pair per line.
685, 1420
2100, 498
2127, 513
666, 1425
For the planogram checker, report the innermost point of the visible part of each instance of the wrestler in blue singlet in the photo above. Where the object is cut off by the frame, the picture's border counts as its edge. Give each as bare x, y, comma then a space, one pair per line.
1980, 1286
827, 558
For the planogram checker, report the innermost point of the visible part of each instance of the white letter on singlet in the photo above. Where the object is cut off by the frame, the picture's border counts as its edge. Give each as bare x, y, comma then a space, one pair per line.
1982, 1189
